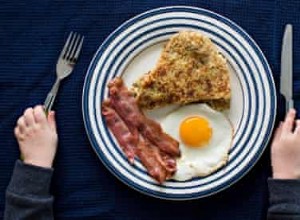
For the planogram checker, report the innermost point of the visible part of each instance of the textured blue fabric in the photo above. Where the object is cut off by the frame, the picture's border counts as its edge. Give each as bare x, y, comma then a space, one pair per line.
32, 34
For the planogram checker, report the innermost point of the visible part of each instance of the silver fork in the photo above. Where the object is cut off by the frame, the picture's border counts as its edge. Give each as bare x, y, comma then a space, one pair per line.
64, 66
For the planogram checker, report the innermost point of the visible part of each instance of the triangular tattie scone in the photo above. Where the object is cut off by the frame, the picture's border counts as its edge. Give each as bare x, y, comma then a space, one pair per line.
190, 69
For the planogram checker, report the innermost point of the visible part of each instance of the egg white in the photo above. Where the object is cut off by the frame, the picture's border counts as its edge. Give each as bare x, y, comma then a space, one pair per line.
204, 160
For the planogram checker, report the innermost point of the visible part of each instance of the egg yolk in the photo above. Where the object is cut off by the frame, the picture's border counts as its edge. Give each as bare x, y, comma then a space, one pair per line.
195, 131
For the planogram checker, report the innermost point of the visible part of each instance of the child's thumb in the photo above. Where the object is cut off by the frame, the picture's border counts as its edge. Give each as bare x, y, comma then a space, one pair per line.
51, 120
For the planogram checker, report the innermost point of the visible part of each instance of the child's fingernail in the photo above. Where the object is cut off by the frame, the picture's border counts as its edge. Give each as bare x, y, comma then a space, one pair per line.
292, 110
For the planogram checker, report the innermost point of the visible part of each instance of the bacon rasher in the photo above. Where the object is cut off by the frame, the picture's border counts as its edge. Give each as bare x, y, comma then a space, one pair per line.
138, 135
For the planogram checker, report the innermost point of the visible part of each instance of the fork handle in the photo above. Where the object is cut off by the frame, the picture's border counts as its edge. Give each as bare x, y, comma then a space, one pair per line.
51, 96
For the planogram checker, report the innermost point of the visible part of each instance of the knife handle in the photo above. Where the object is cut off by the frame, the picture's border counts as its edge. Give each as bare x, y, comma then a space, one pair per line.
289, 104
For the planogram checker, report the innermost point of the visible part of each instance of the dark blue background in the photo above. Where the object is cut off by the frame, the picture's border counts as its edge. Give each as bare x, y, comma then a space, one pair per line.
32, 34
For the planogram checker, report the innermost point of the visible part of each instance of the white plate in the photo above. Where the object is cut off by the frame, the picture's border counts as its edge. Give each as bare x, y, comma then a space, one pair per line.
132, 50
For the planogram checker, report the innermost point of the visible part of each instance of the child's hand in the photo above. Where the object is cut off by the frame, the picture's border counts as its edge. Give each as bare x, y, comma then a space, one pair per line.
285, 149
37, 137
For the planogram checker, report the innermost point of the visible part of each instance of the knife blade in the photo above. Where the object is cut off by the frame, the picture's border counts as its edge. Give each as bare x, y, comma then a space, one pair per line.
286, 75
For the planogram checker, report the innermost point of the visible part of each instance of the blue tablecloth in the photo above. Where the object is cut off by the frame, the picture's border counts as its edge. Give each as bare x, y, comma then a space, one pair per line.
31, 36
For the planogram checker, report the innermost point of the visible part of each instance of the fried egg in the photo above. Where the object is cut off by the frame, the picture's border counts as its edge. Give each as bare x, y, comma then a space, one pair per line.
204, 136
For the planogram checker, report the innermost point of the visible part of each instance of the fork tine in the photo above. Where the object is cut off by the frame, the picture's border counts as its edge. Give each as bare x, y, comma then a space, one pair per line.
70, 47
74, 47
78, 49
62, 53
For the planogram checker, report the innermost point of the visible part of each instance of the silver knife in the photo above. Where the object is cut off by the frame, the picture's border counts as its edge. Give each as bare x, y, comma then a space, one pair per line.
286, 75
